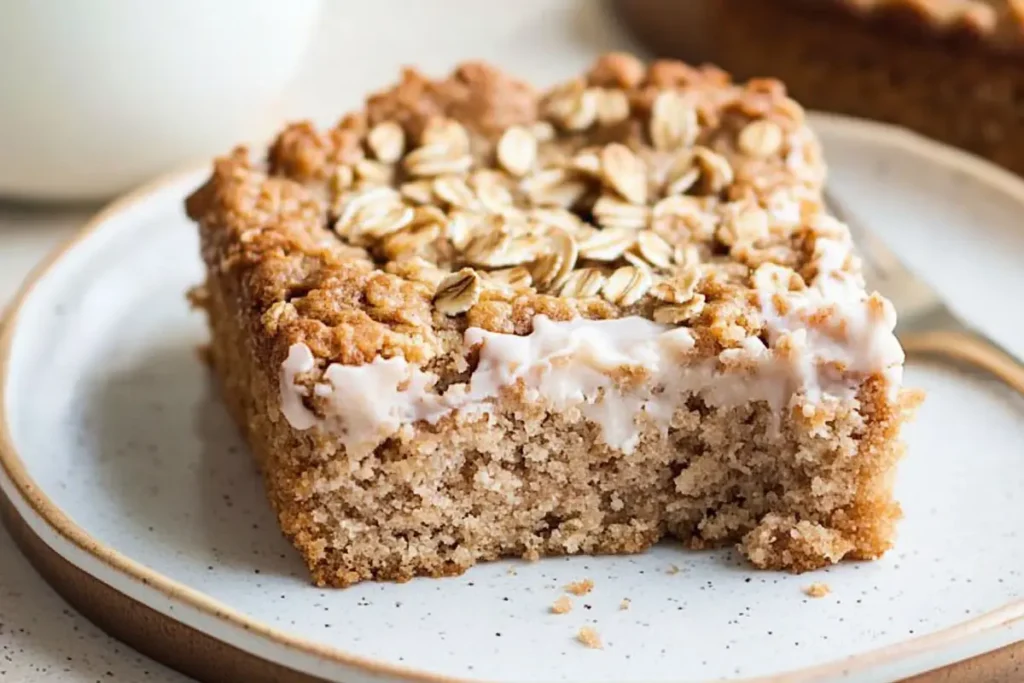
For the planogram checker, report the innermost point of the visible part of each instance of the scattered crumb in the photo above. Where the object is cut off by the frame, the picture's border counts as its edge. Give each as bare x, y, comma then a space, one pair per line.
198, 297
817, 590
580, 587
589, 637
511, 571
672, 569
562, 605
624, 605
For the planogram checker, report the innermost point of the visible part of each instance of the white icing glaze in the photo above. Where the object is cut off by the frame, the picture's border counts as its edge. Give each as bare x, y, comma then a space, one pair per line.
581, 364
833, 323
571, 363
300, 360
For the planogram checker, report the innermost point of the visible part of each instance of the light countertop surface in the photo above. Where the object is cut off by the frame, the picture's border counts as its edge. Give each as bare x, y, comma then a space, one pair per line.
42, 639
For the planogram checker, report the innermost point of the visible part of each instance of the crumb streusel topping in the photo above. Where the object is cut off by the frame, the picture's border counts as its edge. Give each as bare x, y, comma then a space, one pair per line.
616, 198
452, 213
475, 201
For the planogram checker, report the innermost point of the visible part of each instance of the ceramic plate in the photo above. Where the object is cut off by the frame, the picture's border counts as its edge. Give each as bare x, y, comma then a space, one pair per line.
131, 490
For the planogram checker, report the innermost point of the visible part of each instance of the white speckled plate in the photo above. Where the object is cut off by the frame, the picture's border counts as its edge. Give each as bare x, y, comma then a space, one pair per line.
123, 471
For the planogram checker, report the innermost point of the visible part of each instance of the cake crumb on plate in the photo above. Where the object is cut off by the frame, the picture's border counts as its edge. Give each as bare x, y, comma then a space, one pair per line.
580, 587
817, 590
590, 638
561, 605
624, 605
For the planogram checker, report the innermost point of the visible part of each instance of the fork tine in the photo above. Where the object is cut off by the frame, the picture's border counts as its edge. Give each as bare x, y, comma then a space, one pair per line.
872, 248
838, 209
861, 237
883, 270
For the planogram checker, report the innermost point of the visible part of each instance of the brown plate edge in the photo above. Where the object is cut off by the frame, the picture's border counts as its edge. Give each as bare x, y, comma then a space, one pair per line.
993, 666
169, 642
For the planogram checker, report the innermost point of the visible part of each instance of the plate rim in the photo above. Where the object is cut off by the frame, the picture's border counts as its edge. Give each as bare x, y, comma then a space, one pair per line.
47, 512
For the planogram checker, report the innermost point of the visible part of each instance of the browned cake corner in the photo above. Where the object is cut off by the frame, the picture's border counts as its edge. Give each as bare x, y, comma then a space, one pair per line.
477, 320
950, 69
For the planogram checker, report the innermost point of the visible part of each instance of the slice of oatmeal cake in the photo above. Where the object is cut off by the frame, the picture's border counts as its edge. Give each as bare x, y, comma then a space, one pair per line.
477, 320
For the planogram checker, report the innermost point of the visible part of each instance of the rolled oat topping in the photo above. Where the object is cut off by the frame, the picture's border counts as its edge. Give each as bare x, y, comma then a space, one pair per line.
475, 201
622, 187
619, 187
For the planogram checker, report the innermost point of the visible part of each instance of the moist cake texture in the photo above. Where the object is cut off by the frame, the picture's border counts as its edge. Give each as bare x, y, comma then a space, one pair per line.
475, 320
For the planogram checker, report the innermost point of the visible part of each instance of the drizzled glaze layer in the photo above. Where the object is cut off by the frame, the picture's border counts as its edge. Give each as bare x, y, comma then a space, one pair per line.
823, 340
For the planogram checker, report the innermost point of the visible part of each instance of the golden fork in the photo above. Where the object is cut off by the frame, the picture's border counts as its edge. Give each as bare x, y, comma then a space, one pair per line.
925, 324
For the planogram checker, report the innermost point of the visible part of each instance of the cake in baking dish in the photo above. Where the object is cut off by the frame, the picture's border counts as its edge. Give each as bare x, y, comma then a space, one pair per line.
950, 69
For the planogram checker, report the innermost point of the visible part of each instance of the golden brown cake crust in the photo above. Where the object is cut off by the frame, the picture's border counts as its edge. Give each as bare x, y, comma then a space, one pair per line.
951, 80
376, 239
993, 24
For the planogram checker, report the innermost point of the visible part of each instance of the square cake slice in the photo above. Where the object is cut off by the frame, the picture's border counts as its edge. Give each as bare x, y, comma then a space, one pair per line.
476, 320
